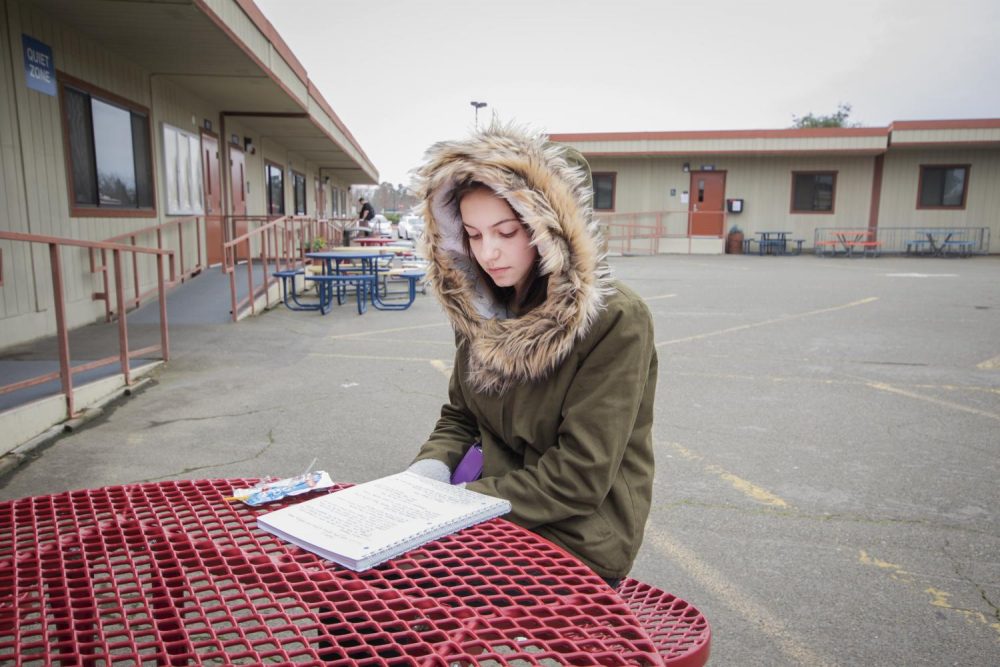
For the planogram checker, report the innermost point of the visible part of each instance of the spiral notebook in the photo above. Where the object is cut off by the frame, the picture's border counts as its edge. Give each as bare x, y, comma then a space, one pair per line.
370, 523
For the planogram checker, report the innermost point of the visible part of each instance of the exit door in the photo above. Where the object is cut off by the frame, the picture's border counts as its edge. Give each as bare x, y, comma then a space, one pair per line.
706, 208
238, 183
213, 196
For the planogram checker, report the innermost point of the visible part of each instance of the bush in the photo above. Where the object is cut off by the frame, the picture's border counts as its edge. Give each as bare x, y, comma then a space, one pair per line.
393, 218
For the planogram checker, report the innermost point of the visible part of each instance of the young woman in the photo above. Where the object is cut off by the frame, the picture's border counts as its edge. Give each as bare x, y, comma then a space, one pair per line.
555, 370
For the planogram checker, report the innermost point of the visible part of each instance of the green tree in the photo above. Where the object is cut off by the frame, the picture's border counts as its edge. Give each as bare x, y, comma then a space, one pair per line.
836, 119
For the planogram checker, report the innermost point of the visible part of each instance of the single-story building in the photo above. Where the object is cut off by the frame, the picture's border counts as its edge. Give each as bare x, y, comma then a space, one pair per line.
697, 185
120, 116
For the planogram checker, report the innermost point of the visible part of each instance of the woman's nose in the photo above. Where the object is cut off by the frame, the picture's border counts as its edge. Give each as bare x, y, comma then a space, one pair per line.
492, 249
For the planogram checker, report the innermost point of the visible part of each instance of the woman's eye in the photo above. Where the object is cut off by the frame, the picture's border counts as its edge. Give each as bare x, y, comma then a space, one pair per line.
509, 235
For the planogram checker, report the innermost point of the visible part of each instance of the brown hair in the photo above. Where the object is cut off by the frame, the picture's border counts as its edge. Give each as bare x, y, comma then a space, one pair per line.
537, 284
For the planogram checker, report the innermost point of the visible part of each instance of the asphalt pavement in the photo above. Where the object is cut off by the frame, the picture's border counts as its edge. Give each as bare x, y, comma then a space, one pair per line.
826, 438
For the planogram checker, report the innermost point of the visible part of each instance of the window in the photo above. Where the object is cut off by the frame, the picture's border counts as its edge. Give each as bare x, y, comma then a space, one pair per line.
943, 186
299, 187
813, 191
182, 172
604, 192
108, 148
275, 178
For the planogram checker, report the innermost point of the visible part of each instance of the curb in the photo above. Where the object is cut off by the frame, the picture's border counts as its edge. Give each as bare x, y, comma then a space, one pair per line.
13, 459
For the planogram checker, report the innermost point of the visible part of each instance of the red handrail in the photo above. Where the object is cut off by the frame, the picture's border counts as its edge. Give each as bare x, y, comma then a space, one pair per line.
136, 300
66, 371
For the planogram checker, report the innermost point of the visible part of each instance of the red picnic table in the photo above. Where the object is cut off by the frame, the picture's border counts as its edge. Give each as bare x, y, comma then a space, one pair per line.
170, 573
373, 240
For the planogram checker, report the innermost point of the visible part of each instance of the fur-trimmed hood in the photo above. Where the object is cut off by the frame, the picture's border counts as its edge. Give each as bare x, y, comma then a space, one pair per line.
549, 187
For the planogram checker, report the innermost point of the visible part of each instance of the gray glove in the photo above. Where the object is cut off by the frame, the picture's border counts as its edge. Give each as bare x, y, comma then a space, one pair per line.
431, 468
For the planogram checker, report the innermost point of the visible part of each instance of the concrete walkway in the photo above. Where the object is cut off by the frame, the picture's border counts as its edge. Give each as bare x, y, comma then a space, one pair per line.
826, 442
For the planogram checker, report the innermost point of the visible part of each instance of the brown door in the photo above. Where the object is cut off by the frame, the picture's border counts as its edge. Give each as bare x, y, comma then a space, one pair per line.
238, 183
213, 196
706, 207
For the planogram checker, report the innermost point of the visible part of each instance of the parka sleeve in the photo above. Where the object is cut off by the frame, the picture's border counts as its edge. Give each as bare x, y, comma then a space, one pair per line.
457, 427
610, 403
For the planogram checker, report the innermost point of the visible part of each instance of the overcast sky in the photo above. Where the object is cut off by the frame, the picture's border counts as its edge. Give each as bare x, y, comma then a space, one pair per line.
401, 73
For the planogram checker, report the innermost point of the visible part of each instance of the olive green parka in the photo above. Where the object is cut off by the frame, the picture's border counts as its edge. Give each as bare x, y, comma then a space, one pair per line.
561, 396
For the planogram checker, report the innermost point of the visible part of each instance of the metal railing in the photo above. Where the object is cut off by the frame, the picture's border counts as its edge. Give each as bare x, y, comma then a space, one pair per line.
910, 240
66, 370
131, 238
640, 233
276, 244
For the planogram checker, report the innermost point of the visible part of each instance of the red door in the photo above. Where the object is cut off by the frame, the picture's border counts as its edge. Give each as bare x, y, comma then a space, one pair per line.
238, 207
238, 180
706, 207
213, 196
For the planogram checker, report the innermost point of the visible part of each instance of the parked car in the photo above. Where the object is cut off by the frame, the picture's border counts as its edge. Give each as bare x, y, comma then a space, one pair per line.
381, 226
411, 227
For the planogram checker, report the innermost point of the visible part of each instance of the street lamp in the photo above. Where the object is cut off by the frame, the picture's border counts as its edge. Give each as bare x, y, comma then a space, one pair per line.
478, 106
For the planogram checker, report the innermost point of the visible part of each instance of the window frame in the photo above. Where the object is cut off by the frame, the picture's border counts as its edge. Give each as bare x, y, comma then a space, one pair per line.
943, 207
77, 210
297, 177
614, 190
267, 188
833, 195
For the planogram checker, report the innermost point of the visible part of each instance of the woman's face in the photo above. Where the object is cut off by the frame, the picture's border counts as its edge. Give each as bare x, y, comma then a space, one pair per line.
499, 242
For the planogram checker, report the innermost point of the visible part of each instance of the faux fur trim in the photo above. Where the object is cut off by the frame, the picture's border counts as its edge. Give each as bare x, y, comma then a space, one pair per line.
552, 195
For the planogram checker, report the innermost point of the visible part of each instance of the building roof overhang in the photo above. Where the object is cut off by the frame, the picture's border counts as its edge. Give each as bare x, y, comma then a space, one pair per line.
811, 141
229, 54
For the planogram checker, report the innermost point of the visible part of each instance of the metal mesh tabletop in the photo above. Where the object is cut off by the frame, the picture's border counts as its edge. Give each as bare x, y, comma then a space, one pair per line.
172, 574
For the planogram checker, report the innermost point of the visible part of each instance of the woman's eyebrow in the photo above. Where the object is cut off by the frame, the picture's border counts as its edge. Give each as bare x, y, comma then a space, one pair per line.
499, 222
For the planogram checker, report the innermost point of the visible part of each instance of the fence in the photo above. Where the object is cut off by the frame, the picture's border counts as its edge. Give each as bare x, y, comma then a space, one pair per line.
640, 233
278, 244
66, 370
177, 274
937, 241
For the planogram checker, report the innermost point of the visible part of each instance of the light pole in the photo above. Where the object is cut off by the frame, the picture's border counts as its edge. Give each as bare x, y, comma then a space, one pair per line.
478, 106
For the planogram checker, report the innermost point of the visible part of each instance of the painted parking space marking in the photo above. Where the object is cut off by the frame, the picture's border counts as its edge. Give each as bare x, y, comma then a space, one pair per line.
777, 320
921, 275
661, 296
938, 598
441, 366
747, 488
744, 604
989, 364
382, 331
882, 386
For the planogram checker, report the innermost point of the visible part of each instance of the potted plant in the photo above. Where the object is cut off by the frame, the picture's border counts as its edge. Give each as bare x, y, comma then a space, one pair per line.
734, 242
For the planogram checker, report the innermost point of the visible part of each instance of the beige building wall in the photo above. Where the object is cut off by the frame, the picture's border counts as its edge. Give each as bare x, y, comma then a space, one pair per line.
901, 176
44, 198
763, 182
34, 185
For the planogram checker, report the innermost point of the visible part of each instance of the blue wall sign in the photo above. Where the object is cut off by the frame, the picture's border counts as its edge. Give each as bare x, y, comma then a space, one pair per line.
39, 68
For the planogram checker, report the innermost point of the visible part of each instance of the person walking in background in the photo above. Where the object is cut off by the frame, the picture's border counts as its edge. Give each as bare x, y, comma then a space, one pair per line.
555, 367
363, 226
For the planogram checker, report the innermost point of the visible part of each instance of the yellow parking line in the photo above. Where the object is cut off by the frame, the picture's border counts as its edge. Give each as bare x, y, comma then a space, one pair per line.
441, 366
989, 364
382, 331
734, 597
939, 598
777, 320
661, 296
751, 490
937, 401
374, 357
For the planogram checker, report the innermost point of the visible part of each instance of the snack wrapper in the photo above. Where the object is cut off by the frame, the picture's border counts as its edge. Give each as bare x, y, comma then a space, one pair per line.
272, 490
